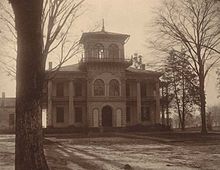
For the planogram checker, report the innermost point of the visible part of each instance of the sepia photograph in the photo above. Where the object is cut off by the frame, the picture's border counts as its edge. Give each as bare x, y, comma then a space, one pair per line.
110, 85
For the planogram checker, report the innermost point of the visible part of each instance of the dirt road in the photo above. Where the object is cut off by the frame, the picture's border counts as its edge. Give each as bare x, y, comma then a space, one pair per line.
115, 153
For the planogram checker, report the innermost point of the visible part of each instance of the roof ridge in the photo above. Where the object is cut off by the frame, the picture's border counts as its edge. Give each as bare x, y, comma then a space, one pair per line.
135, 70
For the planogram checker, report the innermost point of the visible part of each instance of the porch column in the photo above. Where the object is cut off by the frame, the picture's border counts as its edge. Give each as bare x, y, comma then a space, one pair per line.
138, 102
107, 90
71, 106
49, 104
157, 97
105, 52
123, 95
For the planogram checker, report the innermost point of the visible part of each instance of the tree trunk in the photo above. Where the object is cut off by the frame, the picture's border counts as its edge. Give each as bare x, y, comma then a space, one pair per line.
29, 154
183, 104
163, 116
177, 100
203, 104
183, 125
167, 106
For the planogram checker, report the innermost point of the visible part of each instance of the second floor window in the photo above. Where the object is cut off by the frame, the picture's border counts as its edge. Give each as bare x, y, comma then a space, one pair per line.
147, 89
114, 89
78, 89
60, 90
143, 89
99, 88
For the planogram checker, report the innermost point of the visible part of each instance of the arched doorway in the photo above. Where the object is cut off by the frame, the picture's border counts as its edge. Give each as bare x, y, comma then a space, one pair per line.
107, 116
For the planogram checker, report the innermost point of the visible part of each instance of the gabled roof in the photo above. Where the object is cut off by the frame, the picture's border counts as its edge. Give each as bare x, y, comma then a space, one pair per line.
73, 67
140, 71
103, 34
76, 68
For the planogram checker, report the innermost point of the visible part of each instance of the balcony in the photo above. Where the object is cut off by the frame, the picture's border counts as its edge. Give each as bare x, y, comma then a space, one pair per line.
126, 62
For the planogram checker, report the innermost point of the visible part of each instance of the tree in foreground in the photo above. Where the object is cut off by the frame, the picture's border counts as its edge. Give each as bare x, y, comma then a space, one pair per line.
191, 25
32, 52
58, 17
29, 77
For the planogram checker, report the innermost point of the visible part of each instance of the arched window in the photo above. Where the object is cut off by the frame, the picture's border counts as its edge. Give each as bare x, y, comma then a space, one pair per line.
99, 51
99, 88
114, 89
113, 51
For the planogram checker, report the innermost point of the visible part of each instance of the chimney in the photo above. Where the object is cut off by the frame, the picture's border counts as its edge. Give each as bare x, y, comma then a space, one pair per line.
50, 65
3, 99
135, 54
142, 66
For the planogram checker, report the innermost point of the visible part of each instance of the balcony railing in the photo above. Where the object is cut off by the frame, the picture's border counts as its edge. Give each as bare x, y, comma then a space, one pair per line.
105, 59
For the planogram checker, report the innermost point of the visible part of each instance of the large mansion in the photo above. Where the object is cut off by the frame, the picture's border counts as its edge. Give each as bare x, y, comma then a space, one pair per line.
103, 90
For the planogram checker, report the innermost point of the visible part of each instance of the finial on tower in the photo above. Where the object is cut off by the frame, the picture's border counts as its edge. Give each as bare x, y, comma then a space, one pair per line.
103, 25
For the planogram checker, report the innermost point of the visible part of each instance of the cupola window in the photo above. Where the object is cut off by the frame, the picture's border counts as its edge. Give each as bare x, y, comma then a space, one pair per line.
99, 51
113, 51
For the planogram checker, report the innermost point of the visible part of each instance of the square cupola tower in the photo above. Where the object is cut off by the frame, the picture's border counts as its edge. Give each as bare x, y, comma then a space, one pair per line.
103, 46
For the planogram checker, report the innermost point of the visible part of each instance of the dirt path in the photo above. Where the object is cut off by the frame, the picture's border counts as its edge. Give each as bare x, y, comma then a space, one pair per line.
7, 150
113, 153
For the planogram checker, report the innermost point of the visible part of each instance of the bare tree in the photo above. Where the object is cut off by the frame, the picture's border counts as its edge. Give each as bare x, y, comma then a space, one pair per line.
58, 17
32, 52
191, 25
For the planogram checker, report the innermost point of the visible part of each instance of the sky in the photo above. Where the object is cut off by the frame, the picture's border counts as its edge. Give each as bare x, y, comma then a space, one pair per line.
131, 17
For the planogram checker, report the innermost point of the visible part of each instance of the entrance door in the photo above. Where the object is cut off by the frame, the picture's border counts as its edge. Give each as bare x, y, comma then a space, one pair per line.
107, 116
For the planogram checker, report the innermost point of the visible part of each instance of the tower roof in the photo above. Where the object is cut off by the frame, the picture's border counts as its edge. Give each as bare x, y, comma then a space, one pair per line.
103, 34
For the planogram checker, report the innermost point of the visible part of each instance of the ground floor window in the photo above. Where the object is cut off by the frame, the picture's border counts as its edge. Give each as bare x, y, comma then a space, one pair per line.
60, 114
145, 113
78, 114
128, 114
